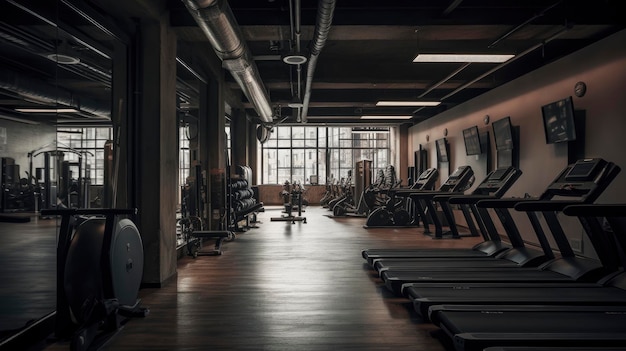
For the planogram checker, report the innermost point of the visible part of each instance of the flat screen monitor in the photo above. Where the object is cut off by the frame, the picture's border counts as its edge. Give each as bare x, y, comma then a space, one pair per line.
503, 133
558, 121
442, 150
472, 141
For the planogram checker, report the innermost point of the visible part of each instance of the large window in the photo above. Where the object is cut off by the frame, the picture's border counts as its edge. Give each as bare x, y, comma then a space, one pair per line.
85, 146
296, 153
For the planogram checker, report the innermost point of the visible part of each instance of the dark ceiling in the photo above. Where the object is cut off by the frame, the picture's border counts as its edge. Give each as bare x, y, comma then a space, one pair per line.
367, 56
371, 44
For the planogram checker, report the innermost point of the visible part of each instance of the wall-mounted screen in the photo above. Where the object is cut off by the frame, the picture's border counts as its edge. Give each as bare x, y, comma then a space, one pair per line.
558, 121
503, 133
472, 141
442, 150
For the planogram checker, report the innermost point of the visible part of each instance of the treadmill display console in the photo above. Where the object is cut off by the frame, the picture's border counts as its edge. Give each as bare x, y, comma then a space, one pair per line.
426, 174
498, 174
457, 173
499, 181
461, 178
583, 170
426, 179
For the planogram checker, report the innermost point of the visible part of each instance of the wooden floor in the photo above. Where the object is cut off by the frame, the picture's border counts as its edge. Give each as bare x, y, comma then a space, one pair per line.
284, 286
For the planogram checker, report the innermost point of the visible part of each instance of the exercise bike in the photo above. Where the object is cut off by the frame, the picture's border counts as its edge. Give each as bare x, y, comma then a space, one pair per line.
394, 212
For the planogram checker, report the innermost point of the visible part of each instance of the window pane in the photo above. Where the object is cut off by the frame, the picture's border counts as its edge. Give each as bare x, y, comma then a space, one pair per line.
321, 136
297, 132
311, 133
298, 158
269, 166
345, 160
297, 175
284, 174
284, 158
271, 143
283, 132
321, 166
102, 133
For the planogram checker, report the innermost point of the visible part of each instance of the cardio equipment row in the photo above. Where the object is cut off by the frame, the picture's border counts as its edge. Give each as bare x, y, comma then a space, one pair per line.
498, 294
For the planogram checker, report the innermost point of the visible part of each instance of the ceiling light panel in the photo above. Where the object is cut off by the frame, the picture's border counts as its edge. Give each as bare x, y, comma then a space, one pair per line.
408, 103
46, 110
387, 117
484, 58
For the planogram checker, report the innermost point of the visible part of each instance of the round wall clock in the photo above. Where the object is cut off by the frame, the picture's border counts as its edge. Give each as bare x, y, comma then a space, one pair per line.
580, 89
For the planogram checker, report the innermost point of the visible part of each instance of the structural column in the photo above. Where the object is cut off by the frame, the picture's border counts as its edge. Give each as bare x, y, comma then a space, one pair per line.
239, 138
157, 151
252, 149
212, 149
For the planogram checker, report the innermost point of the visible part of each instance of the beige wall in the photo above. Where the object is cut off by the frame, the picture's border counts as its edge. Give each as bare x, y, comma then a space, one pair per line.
602, 66
270, 194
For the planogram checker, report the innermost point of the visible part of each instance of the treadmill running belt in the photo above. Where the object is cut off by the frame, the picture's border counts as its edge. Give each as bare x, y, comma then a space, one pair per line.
475, 330
395, 279
549, 294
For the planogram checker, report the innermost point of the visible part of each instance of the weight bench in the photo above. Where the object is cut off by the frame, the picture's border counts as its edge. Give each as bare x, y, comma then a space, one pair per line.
195, 242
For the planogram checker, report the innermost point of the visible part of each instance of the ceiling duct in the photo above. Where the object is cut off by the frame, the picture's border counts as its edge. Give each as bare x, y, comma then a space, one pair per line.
325, 10
40, 91
217, 22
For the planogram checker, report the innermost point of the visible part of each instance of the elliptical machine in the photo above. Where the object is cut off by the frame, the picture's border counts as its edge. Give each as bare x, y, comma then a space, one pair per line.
99, 271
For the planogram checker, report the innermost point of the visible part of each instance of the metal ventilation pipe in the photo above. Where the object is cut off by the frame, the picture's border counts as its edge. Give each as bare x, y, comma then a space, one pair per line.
325, 10
217, 22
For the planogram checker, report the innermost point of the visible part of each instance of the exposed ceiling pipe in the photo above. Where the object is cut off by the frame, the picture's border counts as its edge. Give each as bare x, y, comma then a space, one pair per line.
217, 22
325, 10
40, 91
297, 32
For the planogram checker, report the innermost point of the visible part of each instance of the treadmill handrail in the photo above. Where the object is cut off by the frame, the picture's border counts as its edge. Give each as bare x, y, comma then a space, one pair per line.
596, 210
431, 194
547, 205
504, 202
468, 199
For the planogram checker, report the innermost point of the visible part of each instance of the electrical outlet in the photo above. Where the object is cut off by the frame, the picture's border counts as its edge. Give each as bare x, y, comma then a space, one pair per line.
576, 244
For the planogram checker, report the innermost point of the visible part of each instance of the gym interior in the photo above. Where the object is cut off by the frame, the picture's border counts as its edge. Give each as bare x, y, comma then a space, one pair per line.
288, 174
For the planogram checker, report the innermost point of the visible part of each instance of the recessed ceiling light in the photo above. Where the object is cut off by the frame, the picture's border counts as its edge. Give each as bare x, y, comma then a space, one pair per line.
294, 59
386, 117
295, 103
462, 58
408, 103
63, 59
46, 110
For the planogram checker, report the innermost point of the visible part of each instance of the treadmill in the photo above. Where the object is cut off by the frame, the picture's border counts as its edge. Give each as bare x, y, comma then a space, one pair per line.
493, 186
553, 348
531, 325
458, 180
584, 180
610, 290
587, 326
